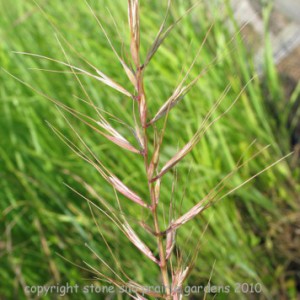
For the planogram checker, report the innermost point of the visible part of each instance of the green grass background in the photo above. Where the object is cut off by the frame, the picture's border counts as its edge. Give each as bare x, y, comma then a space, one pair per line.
41, 217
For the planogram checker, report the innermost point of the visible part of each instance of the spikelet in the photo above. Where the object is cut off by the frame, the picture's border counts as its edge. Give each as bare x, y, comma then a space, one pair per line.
133, 237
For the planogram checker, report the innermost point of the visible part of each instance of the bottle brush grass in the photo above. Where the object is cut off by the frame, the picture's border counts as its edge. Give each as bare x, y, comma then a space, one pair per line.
149, 132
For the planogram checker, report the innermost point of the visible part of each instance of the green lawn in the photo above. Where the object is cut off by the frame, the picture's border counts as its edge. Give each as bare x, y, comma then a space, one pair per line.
42, 220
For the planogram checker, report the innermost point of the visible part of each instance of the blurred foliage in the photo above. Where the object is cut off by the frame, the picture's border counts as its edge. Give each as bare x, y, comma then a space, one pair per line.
41, 217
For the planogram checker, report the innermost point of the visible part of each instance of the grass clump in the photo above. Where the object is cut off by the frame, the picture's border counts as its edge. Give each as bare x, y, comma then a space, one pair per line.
131, 173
